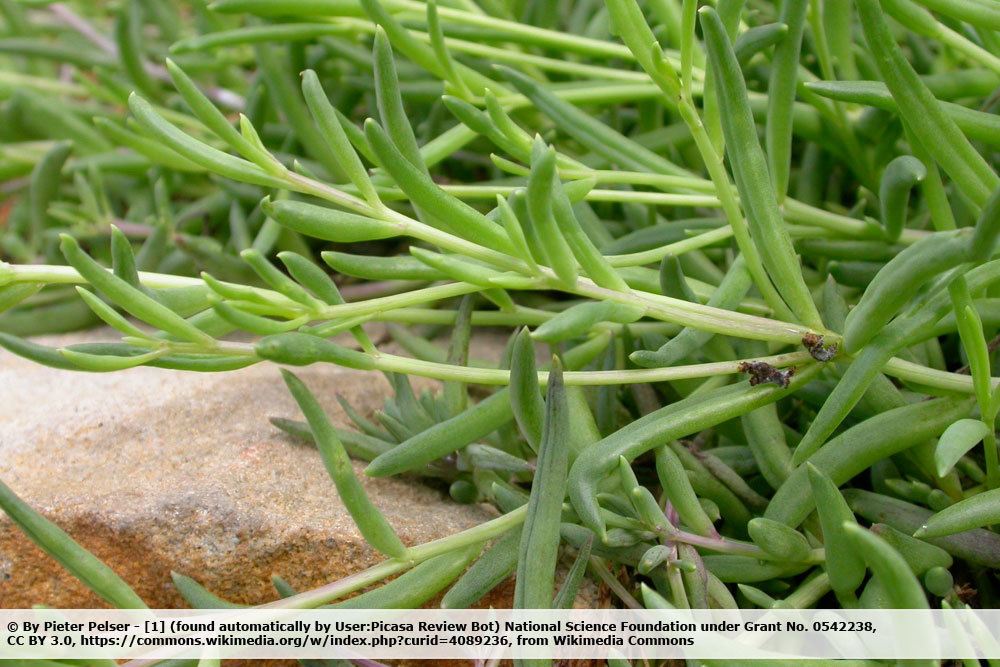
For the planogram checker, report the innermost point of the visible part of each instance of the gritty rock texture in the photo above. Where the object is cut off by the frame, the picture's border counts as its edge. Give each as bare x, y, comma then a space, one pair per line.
156, 470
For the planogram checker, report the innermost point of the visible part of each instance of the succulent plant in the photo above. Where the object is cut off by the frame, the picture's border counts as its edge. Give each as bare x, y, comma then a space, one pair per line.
757, 242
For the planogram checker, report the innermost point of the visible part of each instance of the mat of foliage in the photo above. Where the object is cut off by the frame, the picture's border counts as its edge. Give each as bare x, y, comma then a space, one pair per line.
755, 242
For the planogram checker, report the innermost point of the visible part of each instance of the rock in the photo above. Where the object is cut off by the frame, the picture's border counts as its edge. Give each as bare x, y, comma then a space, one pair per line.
155, 470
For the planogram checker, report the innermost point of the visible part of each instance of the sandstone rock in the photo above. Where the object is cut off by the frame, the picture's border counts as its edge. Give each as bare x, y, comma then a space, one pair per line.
156, 470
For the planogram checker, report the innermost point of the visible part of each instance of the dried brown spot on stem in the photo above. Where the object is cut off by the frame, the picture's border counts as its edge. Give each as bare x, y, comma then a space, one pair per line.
761, 372
966, 593
820, 352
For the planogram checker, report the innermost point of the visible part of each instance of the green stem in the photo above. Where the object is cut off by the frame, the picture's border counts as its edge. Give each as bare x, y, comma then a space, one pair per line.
489, 192
990, 454
698, 316
523, 32
676, 248
931, 377
371, 306
514, 57
54, 274
725, 545
808, 594
500, 377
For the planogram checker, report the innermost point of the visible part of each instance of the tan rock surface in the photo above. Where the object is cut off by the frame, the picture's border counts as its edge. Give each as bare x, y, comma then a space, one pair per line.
157, 470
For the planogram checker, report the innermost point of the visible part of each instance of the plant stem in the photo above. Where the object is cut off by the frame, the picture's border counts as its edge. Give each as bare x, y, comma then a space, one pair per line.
500, 377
